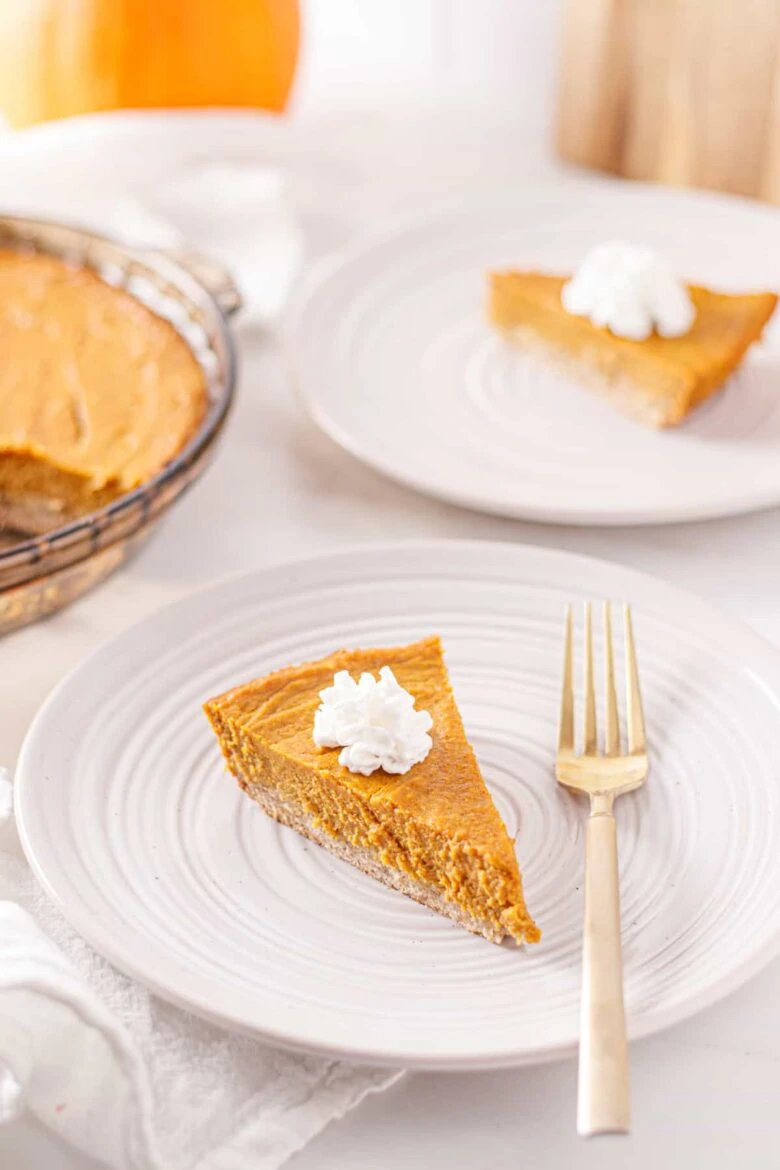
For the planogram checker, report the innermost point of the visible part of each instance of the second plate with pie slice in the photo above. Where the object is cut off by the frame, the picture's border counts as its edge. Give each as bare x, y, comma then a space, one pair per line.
397, 362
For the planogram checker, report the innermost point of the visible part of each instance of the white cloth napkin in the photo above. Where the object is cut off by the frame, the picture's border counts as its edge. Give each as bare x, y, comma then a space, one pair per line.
131, 1080
237, 214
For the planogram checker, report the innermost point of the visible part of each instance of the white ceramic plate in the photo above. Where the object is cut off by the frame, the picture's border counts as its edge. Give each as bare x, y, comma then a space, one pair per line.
156, 857
397, 363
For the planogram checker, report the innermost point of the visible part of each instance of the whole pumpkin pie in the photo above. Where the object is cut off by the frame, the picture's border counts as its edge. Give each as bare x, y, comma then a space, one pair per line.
432, 833
97, 393
658, 380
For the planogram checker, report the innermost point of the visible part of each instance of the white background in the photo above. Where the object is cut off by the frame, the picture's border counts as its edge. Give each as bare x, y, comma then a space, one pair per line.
358, 54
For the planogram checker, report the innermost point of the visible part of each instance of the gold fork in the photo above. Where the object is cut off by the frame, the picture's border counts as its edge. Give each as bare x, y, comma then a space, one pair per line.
603, 1092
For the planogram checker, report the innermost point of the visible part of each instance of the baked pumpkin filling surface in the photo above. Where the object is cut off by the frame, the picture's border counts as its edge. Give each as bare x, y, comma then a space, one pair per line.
97, 393
670, 376
433, 832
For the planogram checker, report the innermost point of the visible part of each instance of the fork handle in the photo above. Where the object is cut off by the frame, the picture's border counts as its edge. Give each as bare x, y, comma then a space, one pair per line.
603, 1097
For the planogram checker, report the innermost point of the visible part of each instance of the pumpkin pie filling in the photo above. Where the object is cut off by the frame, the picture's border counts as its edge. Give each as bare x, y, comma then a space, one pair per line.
659, 380
97, 394
432, 833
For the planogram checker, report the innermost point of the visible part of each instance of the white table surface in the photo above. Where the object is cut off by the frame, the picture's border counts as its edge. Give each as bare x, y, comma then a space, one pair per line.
706, 1092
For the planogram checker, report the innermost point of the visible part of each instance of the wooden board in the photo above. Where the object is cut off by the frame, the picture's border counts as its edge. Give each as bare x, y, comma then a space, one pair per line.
679, 91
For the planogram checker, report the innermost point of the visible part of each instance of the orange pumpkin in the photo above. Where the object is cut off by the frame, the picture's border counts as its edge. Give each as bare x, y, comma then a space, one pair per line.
62, 57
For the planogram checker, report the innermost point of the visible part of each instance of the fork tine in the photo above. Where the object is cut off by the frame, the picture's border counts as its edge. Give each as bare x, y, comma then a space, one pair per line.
591, 742
566, 730
612, 729
635, 717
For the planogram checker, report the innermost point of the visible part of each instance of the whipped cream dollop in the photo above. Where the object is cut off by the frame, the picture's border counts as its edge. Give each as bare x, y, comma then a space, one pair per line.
629, 290
374, 721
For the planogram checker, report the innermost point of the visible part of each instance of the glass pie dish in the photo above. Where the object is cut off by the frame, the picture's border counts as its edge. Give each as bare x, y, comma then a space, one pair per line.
41, 572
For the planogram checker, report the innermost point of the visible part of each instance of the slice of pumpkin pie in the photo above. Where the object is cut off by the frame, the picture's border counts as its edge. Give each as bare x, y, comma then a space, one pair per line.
364, 752
625, 326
